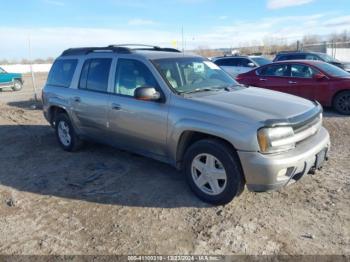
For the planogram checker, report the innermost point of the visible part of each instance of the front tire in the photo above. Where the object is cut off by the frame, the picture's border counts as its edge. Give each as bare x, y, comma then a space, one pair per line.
65, 134
17, 85
213, 171
341, 103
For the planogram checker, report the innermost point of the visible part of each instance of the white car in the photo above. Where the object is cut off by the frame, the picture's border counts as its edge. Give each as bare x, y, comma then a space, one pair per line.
235, 65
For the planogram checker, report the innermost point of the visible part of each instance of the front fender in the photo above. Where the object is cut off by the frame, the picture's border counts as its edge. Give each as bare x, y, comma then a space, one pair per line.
243, 137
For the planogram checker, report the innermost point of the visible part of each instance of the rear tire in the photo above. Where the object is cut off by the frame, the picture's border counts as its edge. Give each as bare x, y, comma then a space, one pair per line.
213, 171
65, 134
17, 85
341, 103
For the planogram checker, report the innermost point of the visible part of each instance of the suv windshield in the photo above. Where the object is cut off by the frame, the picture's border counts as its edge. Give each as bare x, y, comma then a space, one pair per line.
188, 75
327, 58
333, 70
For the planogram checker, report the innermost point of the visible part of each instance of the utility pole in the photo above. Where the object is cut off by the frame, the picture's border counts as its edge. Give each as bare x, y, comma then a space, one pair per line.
182, 35
31, 69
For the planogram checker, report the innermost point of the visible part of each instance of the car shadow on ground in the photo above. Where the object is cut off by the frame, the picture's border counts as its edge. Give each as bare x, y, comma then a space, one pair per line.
330, 112
28, 104
32, 161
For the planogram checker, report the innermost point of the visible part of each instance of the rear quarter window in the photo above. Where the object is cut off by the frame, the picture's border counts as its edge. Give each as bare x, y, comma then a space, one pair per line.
61, 73
227, 62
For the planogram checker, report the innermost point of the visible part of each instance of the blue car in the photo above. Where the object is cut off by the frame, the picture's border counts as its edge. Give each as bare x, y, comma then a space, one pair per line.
12, 80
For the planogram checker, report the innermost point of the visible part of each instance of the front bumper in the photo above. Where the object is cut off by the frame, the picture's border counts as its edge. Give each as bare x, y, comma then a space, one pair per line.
262, 172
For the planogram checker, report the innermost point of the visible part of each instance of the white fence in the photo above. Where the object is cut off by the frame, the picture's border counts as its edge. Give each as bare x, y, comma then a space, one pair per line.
342, 54
20, 68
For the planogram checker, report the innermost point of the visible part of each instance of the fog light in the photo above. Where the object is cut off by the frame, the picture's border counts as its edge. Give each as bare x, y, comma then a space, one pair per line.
282, 175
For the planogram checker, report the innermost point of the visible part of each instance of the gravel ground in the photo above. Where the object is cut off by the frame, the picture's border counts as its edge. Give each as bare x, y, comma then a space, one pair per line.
104, 201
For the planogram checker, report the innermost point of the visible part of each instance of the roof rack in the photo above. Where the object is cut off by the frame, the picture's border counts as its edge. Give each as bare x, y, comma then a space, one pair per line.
286, 52
146, 47
87, 50
123, 49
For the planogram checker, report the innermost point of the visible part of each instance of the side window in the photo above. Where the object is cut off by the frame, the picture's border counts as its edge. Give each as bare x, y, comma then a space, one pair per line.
95, 73
281, 58
233, 62
2, 71
62, 72
312, 57
132, 74
244, 62
297, 56
221, 62
290, 57
274, 70
227, 62
302, 71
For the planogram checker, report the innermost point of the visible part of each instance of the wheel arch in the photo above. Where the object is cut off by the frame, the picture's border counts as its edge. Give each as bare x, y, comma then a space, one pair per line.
337, 93
333, 104
17, 79
53, 111
189, 137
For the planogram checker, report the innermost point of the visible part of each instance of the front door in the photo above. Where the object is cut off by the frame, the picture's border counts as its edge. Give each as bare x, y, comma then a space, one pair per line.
5, 78
134, 124
276, 77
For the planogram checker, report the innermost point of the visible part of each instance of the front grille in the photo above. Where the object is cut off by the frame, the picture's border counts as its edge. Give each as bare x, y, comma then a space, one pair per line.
308, 130
307, 124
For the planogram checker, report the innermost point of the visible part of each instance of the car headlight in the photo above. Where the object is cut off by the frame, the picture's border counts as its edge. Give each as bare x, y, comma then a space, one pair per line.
275, 139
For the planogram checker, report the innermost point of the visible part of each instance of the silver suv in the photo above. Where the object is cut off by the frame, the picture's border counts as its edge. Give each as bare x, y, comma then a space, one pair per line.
184, 110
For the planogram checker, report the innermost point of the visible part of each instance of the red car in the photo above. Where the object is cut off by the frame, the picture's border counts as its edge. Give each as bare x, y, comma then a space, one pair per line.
314, 80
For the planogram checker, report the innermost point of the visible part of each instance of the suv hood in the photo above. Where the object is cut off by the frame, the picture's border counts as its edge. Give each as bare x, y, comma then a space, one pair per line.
258, 103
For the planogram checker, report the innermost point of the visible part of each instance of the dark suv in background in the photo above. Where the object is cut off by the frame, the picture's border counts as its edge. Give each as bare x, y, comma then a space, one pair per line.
301, 55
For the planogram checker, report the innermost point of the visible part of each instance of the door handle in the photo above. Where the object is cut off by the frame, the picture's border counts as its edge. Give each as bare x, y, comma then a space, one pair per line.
116, 106
292, 82
77, 99
263, 79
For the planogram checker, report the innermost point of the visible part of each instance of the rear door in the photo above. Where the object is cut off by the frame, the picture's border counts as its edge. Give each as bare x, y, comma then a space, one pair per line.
90, 100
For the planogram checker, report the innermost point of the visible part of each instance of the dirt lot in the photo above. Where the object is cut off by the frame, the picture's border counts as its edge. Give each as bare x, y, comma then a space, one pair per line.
104, 201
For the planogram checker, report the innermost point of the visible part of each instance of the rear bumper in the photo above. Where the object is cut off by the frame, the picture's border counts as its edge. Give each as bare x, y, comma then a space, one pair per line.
269, 172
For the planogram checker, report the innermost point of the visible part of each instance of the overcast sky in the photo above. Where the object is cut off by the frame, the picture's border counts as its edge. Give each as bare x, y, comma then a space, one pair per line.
54, 25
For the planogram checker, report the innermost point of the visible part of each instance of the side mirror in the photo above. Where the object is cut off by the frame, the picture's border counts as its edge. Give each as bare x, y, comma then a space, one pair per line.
319, 76
147, 94
251, 65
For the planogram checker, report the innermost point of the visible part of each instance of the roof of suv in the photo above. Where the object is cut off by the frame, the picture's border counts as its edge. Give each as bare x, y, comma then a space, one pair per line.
297, 52
305, 62
162, 54
150, 52
233, 56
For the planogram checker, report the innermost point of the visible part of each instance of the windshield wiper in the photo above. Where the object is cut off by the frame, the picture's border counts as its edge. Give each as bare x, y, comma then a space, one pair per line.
197, 90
